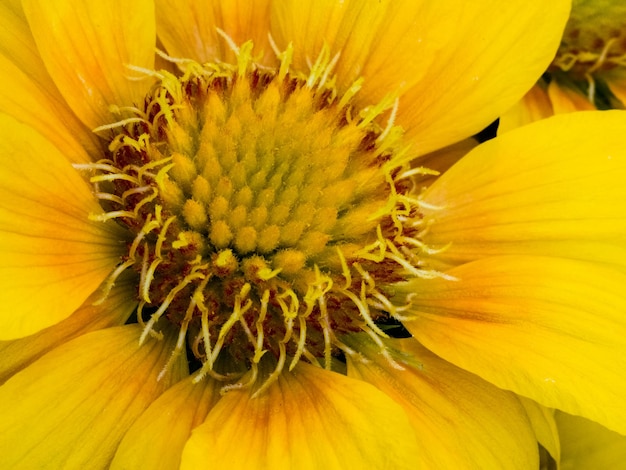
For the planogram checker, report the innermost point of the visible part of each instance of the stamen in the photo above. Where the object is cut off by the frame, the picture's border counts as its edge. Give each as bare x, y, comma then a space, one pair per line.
145, 201
136, 190
154, 318
174, 60
363, 310
422, 246
146, 280
380, 244
418, 171
122, 123
110, 281
238, 311
96, 166
384, 303
112, 215
419, 203
351, 93
322, 67
328, 70
383, 349
114, 177
178, 349
143, 283
274, 375
140, 308
246, 329
372, 112
396, 256
258, 350
327, 331
229, 41
145, 71
253, 374
115, 109
206, 337
301, 342
392, 117
345, 269
311, 358
110, 197
591, 94
150, 166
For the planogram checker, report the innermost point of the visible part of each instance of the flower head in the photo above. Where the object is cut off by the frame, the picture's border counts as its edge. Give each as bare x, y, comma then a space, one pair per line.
228, 249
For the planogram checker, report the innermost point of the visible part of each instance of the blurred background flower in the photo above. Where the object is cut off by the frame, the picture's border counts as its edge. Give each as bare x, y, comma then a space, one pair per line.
588, 71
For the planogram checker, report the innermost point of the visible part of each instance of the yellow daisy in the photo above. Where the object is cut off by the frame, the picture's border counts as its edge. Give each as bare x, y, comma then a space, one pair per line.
213, 255
588, 71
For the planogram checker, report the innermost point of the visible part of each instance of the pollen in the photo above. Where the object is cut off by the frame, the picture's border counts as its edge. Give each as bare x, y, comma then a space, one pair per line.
267, 215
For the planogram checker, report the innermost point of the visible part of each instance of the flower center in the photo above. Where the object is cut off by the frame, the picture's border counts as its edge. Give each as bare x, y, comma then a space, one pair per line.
266, 215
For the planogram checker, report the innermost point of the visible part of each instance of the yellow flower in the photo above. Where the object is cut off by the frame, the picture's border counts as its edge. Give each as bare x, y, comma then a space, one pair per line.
588, 71
213, 255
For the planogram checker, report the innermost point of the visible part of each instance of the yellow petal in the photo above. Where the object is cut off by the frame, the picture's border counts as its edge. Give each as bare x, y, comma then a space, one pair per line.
87, 46
53, 257
533, 106
550, 188
23, 100
157, 438
389, 43
114, 311
441, 160
29, 94
550, 329
496, 52
17, 43
71, 408
460, 420
188, 28
589, 446
308, 419
566, 99
542, 421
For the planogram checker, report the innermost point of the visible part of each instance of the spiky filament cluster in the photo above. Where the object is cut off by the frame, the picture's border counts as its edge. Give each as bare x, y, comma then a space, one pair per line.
594, 38
593, 47
266, 214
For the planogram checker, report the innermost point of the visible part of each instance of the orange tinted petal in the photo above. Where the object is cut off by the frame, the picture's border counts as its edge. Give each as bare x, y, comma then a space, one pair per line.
550, 329
460, 420
308, 419
533, 106
617, 85
53, 256
86, 47
390, 44
188, 28
114, 311
567, 100
71, 408
29, 94
166, 425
